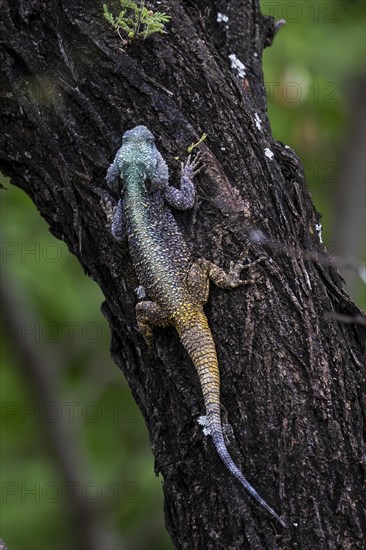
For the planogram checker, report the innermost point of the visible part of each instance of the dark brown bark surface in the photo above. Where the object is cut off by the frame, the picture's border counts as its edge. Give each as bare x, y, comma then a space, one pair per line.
293, 377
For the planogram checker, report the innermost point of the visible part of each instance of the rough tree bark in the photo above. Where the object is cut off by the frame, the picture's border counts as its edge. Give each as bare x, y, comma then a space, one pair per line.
292, 373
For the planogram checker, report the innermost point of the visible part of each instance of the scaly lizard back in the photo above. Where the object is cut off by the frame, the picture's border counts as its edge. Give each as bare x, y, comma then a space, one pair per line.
176, 286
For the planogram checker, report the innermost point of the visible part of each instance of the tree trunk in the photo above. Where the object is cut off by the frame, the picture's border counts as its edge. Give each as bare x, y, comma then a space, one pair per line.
292, 372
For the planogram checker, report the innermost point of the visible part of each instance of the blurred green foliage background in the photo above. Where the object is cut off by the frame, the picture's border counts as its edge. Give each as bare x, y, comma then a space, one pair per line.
81, 422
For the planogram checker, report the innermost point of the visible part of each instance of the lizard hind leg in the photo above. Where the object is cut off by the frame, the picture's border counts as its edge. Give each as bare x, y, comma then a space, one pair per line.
148, 315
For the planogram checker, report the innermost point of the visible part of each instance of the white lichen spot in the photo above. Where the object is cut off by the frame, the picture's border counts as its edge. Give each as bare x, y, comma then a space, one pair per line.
256, 236
202, 421
237, 65
255, 54
318, 228
258, 121
222, 18
287, 147
295, 524
268, 153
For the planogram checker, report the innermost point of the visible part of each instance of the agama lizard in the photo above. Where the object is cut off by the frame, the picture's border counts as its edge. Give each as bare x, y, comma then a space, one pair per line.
177, 286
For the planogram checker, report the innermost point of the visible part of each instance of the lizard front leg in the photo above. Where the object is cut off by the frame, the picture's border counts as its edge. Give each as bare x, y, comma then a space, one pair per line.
113, 177
148, 315
115, 219
119, 229
183, 198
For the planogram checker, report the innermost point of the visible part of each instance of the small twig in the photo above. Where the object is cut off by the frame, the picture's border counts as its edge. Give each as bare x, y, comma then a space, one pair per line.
348, 319
323, 259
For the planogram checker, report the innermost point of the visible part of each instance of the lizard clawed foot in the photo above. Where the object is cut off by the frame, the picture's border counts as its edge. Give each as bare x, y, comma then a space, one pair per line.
234, 274
237, 268
147, 335
150, 345
251, 264
193, 167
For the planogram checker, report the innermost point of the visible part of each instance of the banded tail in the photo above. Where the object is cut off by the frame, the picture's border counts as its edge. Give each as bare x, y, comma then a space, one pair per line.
196, 337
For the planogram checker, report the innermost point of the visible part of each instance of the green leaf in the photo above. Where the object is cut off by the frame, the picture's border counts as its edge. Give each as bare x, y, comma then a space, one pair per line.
129, 4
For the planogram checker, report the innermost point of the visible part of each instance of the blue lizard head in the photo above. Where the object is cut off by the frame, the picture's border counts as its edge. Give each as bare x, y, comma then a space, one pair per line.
138, 134
138, 152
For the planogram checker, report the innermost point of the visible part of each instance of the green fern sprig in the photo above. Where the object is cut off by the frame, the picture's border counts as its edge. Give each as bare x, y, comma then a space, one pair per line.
136, 20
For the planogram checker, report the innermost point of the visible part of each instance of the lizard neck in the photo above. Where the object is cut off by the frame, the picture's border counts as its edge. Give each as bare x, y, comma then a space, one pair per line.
136, 199
134, 176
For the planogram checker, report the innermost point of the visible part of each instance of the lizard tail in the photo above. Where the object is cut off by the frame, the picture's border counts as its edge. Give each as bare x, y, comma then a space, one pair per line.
196, 337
